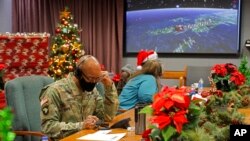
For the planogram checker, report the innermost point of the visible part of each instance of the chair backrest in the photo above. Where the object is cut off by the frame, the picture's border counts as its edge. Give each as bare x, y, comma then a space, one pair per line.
22, 95
175, 74
195, 73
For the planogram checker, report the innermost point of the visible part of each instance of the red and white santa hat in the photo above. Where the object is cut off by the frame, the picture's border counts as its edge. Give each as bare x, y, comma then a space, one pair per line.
144, 56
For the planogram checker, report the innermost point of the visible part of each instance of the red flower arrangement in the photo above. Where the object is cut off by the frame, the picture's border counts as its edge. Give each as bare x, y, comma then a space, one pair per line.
116, 78
171, 111
227, 77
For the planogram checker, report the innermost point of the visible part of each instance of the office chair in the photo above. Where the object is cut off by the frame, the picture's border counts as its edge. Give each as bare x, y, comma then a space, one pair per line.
22, 95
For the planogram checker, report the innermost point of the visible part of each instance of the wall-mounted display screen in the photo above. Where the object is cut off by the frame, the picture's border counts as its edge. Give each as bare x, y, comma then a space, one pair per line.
182, 26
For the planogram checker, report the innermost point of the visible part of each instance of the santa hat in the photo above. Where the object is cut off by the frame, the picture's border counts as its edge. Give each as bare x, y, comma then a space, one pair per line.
144, 56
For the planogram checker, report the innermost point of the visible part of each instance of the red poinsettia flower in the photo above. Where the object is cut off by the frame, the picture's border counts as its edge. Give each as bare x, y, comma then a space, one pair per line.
219, 70
159, 103
237, 78
178, 119
162, 120
170, 97
227, 76
170, 110
170, 106
145, 134
183, 102
230, 67
116, 78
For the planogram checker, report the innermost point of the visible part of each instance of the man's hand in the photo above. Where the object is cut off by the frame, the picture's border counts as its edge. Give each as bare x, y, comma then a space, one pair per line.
90, 122
107, 82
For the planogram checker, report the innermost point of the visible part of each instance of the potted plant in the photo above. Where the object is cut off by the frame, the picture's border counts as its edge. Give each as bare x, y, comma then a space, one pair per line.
227, 77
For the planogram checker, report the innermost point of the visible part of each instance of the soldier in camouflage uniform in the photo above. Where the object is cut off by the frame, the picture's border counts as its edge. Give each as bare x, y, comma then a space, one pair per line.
73, 103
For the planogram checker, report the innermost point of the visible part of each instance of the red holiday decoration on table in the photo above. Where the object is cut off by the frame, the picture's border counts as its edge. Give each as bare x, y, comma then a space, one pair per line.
169, 113
227, 77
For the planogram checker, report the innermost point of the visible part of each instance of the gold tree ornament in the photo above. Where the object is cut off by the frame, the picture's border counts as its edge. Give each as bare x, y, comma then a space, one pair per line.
62, 58
76, 46
58, 72
56, 60
65, 48
54, 46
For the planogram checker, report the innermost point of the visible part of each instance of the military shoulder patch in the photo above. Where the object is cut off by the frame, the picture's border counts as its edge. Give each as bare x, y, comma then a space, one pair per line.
45, 109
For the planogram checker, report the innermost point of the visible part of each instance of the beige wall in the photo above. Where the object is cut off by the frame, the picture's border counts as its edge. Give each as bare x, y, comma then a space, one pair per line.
5, 15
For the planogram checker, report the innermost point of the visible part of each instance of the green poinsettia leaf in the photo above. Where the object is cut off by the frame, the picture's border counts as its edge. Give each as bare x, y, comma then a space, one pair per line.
146, 110
194, 109
155, 134
168, 132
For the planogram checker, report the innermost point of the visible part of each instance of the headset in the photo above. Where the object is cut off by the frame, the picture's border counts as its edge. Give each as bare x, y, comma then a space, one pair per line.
78, 71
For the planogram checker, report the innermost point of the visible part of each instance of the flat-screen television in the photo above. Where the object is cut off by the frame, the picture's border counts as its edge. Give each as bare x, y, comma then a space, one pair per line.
197, 27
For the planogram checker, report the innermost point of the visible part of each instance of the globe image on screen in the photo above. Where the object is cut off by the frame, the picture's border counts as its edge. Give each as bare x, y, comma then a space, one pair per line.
183, 30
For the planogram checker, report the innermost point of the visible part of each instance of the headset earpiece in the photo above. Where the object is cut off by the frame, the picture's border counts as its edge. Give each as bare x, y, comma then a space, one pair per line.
78, 72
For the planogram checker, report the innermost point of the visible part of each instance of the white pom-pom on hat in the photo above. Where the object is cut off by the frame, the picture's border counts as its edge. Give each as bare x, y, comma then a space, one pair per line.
139, 67
144, 56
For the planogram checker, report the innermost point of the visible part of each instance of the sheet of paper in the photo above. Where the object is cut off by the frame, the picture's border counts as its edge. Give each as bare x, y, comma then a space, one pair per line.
102, 136
102, 132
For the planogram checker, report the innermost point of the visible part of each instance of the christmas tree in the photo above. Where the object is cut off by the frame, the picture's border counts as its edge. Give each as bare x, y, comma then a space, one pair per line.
245, 69
66, 47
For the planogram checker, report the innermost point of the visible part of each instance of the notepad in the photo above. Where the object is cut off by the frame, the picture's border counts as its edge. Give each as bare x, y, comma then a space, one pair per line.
102, 136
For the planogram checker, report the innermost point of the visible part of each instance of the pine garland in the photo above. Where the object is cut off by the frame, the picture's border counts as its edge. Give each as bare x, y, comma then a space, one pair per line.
6, 117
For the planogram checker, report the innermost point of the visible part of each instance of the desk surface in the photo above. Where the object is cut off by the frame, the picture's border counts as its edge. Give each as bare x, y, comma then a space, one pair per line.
130, 136
246, 112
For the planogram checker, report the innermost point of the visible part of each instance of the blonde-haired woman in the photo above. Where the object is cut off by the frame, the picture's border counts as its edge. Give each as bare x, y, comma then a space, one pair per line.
142, 85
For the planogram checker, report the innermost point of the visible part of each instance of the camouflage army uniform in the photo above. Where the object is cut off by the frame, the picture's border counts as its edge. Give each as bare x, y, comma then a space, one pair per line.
64, 107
